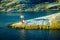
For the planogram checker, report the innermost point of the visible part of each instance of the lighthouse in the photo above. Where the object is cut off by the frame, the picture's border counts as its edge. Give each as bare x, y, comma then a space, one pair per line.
22, 18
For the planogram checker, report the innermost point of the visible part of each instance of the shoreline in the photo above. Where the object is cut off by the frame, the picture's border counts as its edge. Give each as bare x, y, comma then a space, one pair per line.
54, 24
34, 27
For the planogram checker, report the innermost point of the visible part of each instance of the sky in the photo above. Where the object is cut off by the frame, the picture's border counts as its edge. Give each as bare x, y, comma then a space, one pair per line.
36, 1
31, 2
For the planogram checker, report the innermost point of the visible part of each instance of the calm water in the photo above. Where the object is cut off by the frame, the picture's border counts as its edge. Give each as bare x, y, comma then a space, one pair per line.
14, 34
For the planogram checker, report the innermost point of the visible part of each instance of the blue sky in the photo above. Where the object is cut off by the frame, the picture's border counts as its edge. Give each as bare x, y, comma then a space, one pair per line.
36, 1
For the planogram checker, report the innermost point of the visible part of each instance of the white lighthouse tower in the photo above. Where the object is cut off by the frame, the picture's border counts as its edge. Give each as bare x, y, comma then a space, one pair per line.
22, 18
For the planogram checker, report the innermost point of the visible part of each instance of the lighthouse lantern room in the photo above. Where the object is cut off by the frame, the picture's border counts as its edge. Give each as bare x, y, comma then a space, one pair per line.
22, 18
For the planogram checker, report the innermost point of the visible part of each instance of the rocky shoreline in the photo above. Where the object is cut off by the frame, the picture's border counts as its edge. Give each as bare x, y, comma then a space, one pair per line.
53, 19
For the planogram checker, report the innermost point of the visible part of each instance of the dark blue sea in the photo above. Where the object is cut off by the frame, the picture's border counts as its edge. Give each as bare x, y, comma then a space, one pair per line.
16, 34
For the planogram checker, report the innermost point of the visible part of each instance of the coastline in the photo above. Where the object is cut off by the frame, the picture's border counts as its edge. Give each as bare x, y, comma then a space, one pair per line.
52, 20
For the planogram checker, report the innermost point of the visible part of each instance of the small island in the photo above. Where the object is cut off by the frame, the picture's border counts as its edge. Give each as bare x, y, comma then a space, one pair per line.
49, 22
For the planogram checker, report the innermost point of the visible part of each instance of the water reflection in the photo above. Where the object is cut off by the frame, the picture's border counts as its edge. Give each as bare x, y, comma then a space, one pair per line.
14, 34
39, 34
54, 34
34, 34
22, 34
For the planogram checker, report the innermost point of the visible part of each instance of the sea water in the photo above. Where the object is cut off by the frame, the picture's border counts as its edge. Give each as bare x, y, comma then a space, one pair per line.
16, 34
